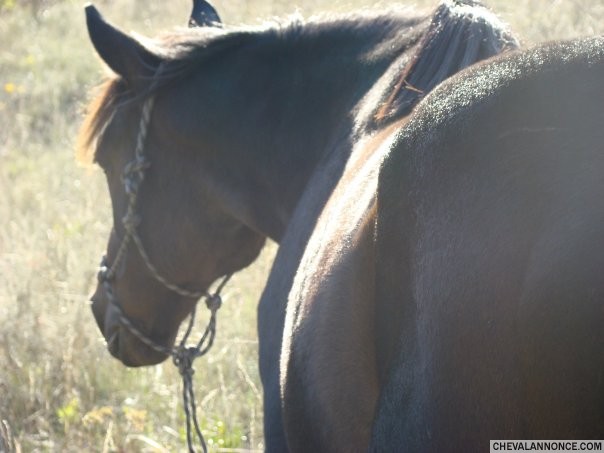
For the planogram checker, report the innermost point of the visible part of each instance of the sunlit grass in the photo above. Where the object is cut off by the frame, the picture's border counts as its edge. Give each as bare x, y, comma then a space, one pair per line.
59, 388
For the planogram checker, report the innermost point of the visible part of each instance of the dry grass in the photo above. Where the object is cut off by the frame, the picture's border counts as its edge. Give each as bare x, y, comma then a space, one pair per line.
59, 389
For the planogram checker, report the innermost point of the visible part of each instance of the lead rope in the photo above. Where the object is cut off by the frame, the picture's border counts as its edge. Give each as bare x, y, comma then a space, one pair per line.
183, 358
183, 355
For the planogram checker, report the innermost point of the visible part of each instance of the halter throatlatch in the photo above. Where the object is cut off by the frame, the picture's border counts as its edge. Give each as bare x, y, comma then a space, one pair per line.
182, 355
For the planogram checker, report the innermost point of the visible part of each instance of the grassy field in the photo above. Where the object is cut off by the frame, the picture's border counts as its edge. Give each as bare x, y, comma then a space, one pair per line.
59, 389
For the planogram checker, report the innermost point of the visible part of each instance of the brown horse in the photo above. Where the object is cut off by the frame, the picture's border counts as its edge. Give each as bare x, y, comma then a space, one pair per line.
455, 278
241, 131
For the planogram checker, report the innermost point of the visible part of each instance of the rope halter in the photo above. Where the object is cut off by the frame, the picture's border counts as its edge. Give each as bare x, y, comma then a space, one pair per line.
182, 355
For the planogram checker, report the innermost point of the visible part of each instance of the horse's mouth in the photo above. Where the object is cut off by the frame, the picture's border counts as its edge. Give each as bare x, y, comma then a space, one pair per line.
121, 342
129, 350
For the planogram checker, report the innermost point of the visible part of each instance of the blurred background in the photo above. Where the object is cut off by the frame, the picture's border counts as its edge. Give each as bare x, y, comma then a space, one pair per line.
59, 388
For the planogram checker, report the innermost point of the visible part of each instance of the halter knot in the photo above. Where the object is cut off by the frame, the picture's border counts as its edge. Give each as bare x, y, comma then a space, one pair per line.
104, 275
183, 359
214, 302
131, 221
136, 166
134, 173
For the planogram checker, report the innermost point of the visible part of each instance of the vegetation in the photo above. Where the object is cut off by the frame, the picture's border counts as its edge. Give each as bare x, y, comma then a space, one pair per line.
59, 388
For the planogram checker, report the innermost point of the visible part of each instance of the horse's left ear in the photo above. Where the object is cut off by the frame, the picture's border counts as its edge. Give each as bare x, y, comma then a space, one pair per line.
123, 54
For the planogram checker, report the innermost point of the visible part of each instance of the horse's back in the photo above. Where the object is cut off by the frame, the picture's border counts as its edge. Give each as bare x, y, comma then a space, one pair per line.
491, 206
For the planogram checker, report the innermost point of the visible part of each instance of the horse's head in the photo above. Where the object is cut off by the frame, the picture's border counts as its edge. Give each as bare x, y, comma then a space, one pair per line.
191, 237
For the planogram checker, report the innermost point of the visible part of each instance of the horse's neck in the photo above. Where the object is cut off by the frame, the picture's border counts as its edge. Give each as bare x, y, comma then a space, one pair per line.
319, 80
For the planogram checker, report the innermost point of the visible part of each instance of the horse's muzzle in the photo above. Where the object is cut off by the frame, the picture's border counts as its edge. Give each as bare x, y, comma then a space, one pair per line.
128, 349
121, 344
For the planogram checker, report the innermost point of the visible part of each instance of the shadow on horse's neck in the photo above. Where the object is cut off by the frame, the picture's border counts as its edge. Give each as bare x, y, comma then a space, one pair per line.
287, 101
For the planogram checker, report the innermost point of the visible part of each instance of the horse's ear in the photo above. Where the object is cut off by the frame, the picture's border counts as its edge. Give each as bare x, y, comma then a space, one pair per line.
204, 15
123, 54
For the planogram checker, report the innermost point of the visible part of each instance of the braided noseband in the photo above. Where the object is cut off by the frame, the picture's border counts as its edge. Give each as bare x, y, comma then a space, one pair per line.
182, 355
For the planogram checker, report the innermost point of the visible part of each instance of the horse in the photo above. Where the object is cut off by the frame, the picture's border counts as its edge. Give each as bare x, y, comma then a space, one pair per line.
505, 255
214, 139
453, 289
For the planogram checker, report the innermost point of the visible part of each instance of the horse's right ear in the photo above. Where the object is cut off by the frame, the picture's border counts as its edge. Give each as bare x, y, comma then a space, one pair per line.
123, 54
204, 15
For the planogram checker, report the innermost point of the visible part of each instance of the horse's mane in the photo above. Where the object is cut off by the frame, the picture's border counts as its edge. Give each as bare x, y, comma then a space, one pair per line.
461, 33
183, 51
99, 112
